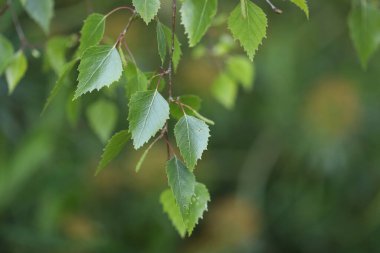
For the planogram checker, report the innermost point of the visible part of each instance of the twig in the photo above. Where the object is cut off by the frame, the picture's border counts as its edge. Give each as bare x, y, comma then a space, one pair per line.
124, 32
129, 52
170, 69
121, 8
274, 8
170, 74
20, 32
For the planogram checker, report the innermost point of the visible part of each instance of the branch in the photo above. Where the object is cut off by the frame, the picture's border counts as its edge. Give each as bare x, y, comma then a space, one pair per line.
170, 69
20, 32
124, 32
170, 73
274, 8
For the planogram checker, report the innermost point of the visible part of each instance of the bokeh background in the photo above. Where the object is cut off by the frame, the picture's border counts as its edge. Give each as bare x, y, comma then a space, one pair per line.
293, 167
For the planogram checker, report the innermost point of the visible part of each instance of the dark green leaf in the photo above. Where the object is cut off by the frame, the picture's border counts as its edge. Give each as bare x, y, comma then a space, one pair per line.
113, 148
92, 31
161, 41
182, 182
197, 17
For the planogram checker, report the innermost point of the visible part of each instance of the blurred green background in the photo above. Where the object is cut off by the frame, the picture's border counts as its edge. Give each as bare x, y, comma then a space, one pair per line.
294, 167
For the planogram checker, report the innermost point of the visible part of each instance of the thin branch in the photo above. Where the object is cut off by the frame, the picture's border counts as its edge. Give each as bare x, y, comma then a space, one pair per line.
170, 69
121, 8
274, 8
170, 74
124, 32
20, 32
129, 52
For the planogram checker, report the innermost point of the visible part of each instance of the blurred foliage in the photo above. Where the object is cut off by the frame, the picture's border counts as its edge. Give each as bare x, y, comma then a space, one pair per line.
294, 167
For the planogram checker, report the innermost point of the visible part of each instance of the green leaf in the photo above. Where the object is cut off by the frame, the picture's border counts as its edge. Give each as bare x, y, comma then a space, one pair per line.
172, 210
40, 11
197, 207
56, 49
197, 16
189, 100
192, 137
16, 70
92, 31
182, 182
161, 41
142, 158
136, 80
73, 110
251, 30
113, 148
60, 82
177, 46
147, 9
6, 53
302, 4
102, 117
148, 112
364, 24
241, 70
100, 66
224, 89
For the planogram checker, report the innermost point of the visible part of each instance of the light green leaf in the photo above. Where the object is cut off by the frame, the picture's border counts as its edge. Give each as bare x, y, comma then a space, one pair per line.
60, 82
148, 112
113, 148
197, 16
192, 137
147, 9
182, 182
100, 66
224, 89
40, 11
172, 210
136, 80
241, 70
161, 41
6, 53
364, 24
302, 4
251, 30
197, 207
190, 100
177, 46
102, 117
73, 110
56, 49
142, 158
16, 70
92, 31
